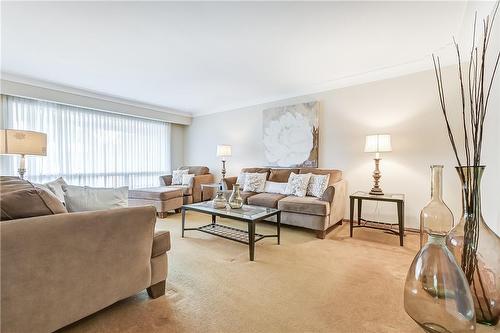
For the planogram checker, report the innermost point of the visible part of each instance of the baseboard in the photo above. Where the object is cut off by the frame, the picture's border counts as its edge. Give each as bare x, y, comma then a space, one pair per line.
406, 229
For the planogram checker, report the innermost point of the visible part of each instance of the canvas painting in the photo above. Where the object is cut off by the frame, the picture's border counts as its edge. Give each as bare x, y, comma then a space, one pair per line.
291, 135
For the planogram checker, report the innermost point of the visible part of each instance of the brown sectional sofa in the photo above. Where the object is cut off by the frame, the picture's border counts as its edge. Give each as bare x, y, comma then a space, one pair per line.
319, 214
59, 267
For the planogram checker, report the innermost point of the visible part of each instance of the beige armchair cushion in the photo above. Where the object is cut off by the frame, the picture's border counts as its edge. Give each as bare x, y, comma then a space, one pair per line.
305, 205
196, 170
269, 200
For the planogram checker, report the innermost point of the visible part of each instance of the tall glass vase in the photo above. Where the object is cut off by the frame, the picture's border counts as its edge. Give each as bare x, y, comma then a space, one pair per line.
477, 249
436, 294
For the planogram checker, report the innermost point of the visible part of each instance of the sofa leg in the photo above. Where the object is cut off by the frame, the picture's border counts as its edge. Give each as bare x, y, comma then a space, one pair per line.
157, 290
177, 210
161, 215
321, 234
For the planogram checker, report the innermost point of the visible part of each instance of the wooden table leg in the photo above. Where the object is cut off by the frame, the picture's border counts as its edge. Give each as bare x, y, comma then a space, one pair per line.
251, 239
351, 208
183, 220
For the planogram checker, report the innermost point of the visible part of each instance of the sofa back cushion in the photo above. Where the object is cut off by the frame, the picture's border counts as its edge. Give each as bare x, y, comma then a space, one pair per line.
335, 175
256, 170
21, 199
197, 170
281, 175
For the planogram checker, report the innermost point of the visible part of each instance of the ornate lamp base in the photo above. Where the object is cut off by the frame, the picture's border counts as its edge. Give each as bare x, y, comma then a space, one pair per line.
376, 190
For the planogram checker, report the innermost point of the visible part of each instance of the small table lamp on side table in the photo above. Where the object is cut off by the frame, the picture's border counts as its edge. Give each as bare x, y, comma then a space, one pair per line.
378, 143
20, 142
223, 151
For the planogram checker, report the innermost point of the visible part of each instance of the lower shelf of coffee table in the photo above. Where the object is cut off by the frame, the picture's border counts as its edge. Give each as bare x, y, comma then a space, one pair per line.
227, 232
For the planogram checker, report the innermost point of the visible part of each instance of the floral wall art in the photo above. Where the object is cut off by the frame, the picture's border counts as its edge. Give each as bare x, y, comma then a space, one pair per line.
291, 135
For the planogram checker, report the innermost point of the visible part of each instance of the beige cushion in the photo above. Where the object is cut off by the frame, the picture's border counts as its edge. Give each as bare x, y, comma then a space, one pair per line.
11, 183
317, 185
161, 243
161, 193
85, 198
196, 170
56, 186
335, 175
246, 194
177, 176
306, 205
255, 182
186, 189
29, 202
269, 200
281, 175
256, 170
297, 184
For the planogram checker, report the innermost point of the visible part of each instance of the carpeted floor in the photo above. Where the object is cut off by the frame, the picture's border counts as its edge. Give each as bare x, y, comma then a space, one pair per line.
339, 284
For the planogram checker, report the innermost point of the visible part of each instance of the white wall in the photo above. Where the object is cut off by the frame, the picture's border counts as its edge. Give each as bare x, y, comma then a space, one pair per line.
177, 145
406, 107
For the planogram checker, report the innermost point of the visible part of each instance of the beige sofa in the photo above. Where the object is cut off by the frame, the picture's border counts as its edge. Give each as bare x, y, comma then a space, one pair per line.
319, 214
192, 193
61, 267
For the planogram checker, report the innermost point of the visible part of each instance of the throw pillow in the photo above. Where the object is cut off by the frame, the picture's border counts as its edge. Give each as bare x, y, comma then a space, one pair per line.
241, 179
177, 176
317, 185
297, 184
275, 187
188, 179
29, 202
255, 182
56, 187
84, 198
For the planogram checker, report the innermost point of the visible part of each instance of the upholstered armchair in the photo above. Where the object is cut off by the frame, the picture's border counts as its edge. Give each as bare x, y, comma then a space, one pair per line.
192, 192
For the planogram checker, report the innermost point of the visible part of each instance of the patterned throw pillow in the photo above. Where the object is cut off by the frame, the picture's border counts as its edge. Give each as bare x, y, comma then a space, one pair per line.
255, 182
317, 185
177, 176
241, 179
297, 184
188, 179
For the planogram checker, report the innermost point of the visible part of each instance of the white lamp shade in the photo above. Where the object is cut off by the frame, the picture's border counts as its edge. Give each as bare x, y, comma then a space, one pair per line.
378, 143
223, 150
23, 142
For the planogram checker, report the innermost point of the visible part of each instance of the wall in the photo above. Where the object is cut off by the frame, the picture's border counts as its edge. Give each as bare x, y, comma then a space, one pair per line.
406, 107
177, 145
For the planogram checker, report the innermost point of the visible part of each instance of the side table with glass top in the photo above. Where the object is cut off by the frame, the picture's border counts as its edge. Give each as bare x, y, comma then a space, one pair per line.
397, 198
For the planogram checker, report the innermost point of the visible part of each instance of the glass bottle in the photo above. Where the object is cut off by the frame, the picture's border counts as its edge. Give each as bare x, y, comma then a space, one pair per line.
436, 293
219, 201
235, 200
435, 211
480, 257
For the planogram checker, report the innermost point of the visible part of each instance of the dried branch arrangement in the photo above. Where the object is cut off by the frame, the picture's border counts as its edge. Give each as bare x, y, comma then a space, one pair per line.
475, 90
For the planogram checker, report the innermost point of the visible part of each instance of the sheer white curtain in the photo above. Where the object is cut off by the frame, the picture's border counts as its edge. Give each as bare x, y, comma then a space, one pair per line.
89, 147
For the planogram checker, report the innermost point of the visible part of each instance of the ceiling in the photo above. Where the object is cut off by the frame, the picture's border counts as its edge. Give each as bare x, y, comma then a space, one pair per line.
206, 57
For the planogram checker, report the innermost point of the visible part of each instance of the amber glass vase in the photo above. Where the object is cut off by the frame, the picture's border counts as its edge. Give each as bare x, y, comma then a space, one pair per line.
477, 249
436, 294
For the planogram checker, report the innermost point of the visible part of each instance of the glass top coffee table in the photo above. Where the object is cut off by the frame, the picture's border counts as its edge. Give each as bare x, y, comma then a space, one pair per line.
249, 214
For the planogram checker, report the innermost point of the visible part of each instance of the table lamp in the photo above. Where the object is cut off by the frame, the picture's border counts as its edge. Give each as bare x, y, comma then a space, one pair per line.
223, 151
378, 143
20, 142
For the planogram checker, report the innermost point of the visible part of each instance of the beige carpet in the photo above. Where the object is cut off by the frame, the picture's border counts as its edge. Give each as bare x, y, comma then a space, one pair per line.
339, 284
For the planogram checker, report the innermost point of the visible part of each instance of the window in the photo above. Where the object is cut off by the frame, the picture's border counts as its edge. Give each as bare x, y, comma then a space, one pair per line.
89, 147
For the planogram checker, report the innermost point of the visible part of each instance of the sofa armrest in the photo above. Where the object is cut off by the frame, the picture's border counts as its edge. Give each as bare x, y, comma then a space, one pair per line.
338, 203
197, 181
166, 180
48, 262
228, 183
161, 243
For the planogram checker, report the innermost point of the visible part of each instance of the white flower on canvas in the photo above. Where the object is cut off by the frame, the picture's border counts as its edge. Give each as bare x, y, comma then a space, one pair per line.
288, 140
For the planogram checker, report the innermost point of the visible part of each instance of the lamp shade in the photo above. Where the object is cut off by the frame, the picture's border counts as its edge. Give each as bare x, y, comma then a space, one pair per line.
23, 142
223, 150
378, 143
